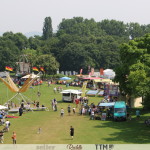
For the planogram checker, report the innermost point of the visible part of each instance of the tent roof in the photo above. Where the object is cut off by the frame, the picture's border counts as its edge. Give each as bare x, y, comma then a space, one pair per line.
107, 104
32, 76
3, 107
103, 80
71, 91
91, 78
65, 78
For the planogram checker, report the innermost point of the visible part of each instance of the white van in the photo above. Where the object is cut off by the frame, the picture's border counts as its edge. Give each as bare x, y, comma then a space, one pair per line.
70, 95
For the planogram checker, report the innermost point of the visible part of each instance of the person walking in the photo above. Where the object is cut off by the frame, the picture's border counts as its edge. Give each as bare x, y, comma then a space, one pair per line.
20, 111
74, 110
61, 112
69, 109
71, 132
55, 89
7, 123
14, 138
39, 130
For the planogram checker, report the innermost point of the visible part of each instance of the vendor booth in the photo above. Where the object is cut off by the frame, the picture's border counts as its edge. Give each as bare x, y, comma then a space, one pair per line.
70, 95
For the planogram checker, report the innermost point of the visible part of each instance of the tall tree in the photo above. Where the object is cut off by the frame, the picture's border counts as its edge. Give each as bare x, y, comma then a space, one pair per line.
133, 73
47, 28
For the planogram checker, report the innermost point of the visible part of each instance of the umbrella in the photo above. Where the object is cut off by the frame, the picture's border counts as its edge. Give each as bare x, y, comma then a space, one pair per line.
109, 73
3, 107
65, 78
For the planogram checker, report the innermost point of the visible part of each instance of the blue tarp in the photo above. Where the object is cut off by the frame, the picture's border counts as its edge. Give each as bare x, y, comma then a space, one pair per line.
92, 92
101, 93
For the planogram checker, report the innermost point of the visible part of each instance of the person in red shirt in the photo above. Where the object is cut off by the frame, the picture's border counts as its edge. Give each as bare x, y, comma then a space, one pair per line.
77, 102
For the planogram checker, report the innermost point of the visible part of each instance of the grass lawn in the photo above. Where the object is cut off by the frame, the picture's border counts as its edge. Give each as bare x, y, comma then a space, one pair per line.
55, 130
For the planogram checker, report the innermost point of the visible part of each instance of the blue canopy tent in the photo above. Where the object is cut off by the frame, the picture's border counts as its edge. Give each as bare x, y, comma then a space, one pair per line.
65, 78
107, 104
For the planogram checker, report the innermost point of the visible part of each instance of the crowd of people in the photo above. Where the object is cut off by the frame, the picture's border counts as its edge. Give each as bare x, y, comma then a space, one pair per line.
5, 123
79, 106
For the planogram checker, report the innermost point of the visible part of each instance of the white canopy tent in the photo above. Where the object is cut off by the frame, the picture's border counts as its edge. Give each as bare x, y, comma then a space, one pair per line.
31, 76
3, 107
71, 91
109, 73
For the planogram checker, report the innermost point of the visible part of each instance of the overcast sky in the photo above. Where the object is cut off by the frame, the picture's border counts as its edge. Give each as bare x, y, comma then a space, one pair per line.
28, 15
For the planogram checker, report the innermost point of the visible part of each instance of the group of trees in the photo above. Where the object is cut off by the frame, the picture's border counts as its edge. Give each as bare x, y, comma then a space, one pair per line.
80, 43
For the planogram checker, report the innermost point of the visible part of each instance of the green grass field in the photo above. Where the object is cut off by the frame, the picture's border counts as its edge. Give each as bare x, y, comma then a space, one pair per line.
55, 130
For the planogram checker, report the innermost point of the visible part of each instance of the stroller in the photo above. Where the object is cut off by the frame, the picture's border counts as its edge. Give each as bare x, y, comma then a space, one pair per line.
147, 122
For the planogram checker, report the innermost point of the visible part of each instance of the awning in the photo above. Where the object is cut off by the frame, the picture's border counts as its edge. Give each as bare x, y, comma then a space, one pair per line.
92, 78
71, 91
103, 80
107, 104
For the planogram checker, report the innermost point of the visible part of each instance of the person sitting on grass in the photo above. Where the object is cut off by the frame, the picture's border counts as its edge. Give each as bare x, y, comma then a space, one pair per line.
1, 136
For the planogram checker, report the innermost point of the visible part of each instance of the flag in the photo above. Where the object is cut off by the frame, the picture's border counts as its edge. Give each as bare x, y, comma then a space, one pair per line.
35, 69
8, 68
42, 69
81, 71
101, 71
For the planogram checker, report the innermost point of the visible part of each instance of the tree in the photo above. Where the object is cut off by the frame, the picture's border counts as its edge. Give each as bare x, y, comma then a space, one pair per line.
74, 57
133, 74
48, 62
135, 30
19, 39
32, 56
47, 28
113, 27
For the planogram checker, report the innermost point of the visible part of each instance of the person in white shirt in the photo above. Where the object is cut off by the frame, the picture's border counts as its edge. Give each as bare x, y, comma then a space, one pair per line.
92, 115
7, 123
61, 112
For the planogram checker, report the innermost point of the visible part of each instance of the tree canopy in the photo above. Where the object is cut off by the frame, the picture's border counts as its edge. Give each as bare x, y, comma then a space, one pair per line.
78, 43
133, 73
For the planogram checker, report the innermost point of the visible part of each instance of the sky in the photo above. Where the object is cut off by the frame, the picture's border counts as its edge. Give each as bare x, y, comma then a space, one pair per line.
28, 15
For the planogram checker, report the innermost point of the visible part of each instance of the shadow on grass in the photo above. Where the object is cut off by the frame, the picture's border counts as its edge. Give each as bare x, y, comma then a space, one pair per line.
134, 131
67, 139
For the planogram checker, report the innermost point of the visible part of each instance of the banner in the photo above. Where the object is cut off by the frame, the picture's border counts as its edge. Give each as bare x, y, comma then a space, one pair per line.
81, 71
101, 71
92, 71
90, 74
83, 88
